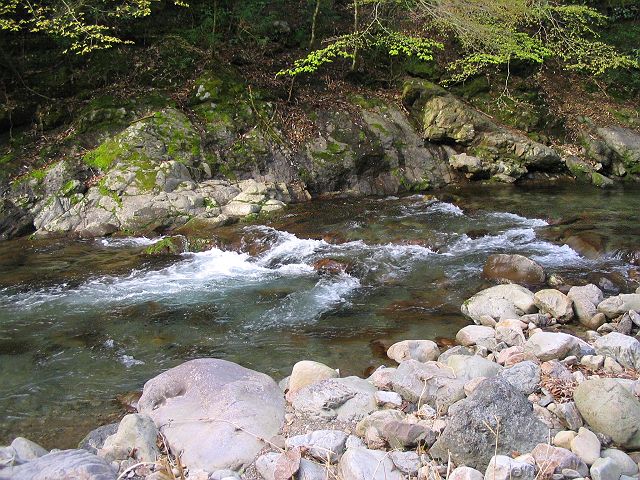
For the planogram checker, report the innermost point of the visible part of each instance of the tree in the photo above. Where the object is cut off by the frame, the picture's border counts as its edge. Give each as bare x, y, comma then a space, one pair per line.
84, 26
484, 32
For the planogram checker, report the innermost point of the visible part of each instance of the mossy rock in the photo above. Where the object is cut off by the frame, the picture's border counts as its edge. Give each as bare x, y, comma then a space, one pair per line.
175, 245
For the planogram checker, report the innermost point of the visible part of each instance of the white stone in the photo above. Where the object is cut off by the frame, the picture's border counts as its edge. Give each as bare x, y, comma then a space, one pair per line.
365, 464
391, 399
420, 350
564, 438
551, 345
322, 445
307, 372
470, 334
465, 473
586, 445
136, 438
502, 467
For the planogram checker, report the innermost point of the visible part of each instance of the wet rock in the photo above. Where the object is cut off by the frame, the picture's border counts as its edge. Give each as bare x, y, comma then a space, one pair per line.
419, 350
471, 334
624, 349
365, 464
323, 445
330, 266
467, 367
307, 372
524, 376
467, 436
136, 438
602, 403
552, 460
586, 445
501, 302
502, 467
345, 399
549, 345
71, 464
514, 268
613, 307
555, 303
211, 398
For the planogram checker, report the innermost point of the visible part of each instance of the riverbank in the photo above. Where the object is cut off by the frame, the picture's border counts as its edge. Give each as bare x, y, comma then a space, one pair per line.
534, 388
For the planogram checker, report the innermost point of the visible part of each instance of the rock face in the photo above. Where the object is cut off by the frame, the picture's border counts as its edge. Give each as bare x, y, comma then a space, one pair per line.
514, 268
467, 437
420, 350
211, 398
502, 302
604, 403
65, 464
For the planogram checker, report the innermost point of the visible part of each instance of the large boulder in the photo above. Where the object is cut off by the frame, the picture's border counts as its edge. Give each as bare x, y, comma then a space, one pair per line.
513, 268
623, 348
61, 465
496, 405
215, 412
555, 303
420, 350
345, 399
613, 307
611, 409
501, 302
551, 345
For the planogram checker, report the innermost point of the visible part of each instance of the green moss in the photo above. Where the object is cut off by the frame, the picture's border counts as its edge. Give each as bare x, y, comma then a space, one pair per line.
368, 103
166, 246
68, 188
103, 156
209, 203
600, 180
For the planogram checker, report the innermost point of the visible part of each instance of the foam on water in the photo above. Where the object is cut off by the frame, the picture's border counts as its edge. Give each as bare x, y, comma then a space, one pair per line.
128, 242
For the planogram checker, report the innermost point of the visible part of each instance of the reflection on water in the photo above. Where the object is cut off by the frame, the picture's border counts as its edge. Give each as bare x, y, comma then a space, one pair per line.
82, 322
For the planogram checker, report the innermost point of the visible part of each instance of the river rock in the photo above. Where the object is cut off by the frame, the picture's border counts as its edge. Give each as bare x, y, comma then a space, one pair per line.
602, 402
613, 307
524, 376
136, 438
365, 464
586, 445
322, 445
345, 399
514, 268
467, 367
568, 414
212, 398
472, 334
430, 383
512, 355
623, 348
26, 450
590, 292
388, 399
552, 460
502, 467
407, 462
584, 309
420, 350
307, 372
564, 438
551, 345
465, 473
510, 332
501, 302
555, 303
95, 439
627, 465
457, 350
266, 466
61, 465
467, 436
605, 469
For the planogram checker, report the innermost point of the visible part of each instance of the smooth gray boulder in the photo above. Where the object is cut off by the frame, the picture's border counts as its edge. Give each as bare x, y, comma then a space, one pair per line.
365, 464
624, 461
420, 350
623, 348
551, 345
613, 307
467, 436
501, 302
345, 399
611, 409
214, 399
62, 465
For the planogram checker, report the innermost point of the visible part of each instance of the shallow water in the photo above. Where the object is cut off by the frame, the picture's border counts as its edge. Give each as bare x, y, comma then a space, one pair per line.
85, 321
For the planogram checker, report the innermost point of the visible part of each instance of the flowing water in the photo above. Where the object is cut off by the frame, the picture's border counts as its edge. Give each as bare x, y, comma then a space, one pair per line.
82, 322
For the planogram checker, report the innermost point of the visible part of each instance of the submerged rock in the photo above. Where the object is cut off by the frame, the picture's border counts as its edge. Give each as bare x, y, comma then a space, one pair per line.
514, 268
210, 398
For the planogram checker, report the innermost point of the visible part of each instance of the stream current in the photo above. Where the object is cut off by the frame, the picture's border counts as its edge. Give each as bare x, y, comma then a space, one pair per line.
83, 322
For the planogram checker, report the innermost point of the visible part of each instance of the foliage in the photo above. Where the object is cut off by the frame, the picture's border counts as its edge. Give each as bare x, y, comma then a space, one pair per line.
82, 26
485, 32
